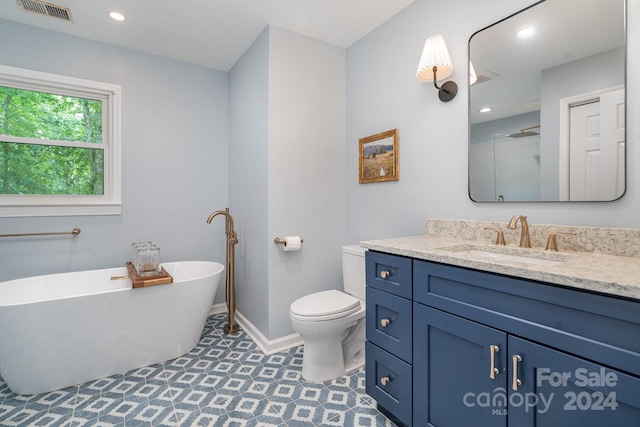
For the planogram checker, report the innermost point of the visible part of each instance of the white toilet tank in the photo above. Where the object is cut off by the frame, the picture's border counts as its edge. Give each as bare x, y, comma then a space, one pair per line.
353, 270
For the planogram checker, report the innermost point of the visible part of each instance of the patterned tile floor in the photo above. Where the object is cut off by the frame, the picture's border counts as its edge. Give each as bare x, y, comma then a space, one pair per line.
224, 381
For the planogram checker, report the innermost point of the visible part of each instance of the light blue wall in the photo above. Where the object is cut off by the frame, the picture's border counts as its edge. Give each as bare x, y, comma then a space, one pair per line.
248, 177
287, 172
499, 128
174, 158
383, 93
307, 126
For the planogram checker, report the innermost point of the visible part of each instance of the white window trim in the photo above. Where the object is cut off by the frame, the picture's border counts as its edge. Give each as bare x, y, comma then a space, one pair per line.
53, 205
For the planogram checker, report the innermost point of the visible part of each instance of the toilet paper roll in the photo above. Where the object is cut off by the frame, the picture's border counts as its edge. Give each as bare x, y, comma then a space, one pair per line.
292, 243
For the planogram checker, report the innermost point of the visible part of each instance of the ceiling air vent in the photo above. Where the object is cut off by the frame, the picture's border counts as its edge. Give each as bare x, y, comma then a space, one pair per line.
45, 8
485, 76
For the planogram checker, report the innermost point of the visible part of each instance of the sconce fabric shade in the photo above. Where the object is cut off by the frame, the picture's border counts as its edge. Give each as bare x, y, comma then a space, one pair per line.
435, 53
473, 77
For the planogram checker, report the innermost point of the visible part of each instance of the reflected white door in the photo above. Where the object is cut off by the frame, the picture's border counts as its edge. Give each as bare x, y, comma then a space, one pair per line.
596, 148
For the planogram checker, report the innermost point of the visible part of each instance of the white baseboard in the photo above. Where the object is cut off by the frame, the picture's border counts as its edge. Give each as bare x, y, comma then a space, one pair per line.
217, 308
266, 346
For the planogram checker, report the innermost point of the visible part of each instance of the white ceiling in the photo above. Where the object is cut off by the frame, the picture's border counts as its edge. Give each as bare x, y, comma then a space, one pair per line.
211, 33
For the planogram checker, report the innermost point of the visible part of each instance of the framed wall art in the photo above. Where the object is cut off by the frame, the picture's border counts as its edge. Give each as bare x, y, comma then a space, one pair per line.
379, 157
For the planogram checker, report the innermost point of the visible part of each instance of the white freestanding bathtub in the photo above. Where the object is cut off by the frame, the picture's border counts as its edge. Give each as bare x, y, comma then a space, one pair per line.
64, 329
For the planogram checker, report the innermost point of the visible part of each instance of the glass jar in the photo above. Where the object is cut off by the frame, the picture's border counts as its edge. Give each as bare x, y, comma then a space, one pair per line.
135, 246
148, 260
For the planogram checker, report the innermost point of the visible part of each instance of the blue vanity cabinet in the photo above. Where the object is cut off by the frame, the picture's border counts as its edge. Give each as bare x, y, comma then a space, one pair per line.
458, 365
489, 350
492, 350
532, 385
559, 389
389, 350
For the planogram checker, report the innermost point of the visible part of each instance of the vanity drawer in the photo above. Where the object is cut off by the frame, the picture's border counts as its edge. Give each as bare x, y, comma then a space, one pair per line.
389, 381
389, 323
389, 273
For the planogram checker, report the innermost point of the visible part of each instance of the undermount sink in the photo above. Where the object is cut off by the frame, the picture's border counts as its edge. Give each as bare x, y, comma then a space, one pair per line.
501, 253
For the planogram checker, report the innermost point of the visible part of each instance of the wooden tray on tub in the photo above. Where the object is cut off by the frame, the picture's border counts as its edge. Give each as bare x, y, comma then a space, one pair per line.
137, 281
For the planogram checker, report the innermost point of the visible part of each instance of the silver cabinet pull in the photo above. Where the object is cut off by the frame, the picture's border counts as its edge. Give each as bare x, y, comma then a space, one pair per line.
493, 349
384, 322
384, 381
516, 381
384, 274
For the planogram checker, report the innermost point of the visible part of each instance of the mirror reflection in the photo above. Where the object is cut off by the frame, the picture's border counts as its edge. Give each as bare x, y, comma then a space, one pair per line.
547, 107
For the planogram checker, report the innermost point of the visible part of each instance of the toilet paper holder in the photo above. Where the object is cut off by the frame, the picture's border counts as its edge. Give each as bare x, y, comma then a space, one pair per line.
279, 241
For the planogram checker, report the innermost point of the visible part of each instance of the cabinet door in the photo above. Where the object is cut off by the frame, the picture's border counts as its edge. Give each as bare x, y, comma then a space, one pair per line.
453, 376
558, 389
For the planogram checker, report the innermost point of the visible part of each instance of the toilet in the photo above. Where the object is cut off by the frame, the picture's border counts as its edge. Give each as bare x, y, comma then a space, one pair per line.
332, 323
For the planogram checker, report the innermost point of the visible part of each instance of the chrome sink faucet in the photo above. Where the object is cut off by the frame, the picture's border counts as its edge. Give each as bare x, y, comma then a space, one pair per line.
525, 239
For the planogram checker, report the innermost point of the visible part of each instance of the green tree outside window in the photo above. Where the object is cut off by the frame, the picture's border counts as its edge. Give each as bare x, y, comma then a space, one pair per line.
46, 144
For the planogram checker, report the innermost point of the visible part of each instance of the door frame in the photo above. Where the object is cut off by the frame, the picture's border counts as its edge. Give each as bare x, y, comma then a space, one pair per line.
565, 134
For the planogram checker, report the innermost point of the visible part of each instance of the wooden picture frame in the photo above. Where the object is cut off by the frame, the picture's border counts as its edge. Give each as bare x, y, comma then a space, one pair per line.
378, 156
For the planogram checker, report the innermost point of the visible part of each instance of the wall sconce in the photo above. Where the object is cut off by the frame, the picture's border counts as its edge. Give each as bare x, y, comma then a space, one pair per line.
435, 64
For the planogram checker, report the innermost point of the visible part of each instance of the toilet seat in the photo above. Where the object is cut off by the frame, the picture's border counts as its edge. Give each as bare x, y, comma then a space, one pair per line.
326, 305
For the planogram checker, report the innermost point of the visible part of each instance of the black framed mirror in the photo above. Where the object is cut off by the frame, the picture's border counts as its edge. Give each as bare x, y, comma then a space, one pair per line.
555, 125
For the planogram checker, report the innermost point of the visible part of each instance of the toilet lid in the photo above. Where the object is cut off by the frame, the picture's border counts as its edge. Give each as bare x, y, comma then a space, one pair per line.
327, 304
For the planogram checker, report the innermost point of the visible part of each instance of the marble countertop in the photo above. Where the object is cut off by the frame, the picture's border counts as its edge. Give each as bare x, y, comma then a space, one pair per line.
609, 274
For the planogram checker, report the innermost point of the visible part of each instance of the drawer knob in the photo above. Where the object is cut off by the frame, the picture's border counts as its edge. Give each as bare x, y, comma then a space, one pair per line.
384, 322
384, 274
384, 381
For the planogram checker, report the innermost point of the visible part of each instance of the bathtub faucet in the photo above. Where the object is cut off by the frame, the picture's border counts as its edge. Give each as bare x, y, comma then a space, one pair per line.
230, 294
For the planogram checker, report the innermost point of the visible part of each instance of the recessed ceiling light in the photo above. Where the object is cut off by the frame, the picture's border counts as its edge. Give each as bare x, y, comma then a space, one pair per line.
525, 32
485, 109
116, 16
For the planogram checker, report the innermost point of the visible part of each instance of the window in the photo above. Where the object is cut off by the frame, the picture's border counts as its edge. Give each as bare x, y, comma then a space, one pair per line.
59, 145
